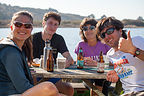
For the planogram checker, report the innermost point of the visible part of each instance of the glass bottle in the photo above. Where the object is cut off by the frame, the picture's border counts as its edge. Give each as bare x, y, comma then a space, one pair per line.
80, 59
50, 62
100, 65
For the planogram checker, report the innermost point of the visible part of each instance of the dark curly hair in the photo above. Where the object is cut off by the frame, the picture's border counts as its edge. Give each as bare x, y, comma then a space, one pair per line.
110, 21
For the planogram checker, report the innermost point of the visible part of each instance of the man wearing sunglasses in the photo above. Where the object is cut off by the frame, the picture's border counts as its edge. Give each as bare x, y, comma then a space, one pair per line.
126, 55
51, 22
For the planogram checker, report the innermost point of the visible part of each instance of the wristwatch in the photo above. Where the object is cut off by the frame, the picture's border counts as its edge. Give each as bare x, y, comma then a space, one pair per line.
137, 52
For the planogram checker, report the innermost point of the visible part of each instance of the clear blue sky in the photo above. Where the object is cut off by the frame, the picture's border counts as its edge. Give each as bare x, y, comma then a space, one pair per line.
120, 9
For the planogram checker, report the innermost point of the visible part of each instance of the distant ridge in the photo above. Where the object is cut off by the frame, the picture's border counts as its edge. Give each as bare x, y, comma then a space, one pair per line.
6, 12
68, 19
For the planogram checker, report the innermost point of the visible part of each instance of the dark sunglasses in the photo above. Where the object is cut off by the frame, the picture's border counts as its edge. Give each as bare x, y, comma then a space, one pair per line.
85, 28
108, 32
20, 24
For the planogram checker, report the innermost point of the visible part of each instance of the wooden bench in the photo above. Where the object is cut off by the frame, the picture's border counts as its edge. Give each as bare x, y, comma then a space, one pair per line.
79, 87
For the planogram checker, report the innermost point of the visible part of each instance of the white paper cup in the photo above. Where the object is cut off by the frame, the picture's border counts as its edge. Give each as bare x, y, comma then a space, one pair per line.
61, 63
105, 59
106, 62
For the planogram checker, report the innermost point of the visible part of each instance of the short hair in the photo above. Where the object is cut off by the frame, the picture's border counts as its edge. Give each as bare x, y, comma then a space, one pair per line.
85, 22
110, 21
54, 15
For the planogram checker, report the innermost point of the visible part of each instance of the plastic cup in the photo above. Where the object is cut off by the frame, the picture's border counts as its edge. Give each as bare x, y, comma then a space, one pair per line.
61, 63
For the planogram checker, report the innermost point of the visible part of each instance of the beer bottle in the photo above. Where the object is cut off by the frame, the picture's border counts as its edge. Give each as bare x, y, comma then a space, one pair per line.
50, 62
46, 53
80, 59
100, 65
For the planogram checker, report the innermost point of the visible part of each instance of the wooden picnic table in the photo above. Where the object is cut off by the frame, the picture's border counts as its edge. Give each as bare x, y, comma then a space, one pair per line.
72, 72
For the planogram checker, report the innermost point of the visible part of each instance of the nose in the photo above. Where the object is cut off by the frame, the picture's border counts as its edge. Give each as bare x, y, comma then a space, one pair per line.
107, 36
22, 27
88, 30
53, 28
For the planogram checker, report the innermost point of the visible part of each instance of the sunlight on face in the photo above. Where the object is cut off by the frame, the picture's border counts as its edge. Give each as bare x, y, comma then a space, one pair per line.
90, 32
50, 26
21, 33
111, 38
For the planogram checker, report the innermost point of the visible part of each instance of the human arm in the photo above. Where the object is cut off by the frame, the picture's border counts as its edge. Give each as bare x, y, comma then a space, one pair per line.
126, 45
62, 48
69, 59
13, 63
112, 76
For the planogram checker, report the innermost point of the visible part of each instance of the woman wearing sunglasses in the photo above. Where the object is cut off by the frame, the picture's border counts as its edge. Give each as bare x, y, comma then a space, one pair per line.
91, 46
15, 51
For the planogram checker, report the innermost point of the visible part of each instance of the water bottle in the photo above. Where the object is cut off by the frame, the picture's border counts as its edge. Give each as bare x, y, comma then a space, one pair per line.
47, 49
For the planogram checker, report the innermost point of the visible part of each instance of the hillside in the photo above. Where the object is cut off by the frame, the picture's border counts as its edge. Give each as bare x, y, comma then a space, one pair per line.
68, 20
6, 12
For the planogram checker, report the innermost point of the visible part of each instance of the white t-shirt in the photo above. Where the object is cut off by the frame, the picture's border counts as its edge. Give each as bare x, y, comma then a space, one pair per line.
130, 69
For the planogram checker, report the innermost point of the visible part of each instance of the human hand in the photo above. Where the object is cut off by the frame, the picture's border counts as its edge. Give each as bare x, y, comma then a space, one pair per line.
126, 45
112, 76
90, 62
69, 61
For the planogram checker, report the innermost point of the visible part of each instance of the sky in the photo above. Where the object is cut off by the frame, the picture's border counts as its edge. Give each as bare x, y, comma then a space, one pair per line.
121, 9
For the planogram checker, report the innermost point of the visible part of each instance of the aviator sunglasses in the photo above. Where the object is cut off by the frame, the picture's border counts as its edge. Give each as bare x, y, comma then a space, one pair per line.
20, 24
85, 28
108, 32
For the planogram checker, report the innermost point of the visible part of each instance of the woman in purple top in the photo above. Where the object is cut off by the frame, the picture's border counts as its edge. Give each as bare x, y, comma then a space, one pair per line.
92, 52
90, 44
92, 47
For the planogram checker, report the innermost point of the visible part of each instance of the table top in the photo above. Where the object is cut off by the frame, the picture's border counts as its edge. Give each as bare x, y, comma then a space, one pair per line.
72, 72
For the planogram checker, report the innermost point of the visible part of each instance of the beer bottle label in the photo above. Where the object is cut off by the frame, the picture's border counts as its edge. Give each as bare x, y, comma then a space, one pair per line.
80, 63
100, 67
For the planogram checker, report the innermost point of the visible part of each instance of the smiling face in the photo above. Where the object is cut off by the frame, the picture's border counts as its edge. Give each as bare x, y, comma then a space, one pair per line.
50, 26
90, 33
113, 38
21, 33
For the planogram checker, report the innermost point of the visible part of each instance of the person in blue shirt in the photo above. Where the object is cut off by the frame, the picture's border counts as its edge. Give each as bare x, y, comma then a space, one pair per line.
15, 51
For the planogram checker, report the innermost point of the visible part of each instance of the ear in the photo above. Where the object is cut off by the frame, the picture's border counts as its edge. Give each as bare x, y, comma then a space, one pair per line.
11, 26
120, 30
43, 23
